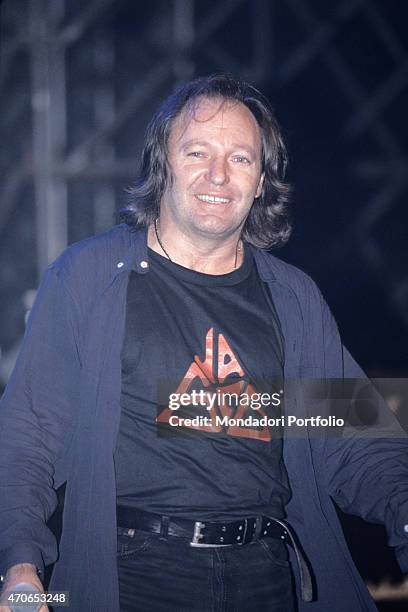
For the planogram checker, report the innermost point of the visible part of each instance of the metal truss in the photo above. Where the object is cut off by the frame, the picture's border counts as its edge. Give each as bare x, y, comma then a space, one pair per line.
39, 28
390, 169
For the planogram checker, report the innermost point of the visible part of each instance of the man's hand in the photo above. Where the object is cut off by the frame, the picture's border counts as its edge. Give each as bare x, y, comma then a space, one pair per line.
22, 572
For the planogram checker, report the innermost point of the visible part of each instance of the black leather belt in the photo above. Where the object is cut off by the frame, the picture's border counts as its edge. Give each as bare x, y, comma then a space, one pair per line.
210, 534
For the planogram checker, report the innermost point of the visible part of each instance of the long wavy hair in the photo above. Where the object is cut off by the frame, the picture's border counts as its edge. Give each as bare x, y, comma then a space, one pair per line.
267, 224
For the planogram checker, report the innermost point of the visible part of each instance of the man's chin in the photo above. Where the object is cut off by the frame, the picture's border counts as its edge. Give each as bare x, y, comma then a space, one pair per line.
213, 226
213, 230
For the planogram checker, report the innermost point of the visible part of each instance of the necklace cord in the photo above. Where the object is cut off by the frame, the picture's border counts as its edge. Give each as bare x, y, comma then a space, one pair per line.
156, 231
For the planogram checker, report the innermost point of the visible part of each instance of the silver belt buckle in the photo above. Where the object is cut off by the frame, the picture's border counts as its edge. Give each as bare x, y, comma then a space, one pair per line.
197, 535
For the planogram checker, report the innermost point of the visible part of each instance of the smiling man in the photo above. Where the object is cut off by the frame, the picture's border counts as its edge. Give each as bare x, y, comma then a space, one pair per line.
142, 346
215, 160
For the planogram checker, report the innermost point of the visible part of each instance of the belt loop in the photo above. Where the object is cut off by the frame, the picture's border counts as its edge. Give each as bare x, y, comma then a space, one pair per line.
164, 527
258, 528
245, 531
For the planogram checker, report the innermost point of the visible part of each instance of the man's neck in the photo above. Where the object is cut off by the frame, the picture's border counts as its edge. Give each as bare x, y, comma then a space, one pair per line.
204, 256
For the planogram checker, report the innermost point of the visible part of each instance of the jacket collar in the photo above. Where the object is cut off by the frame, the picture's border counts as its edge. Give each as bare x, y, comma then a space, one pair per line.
134, 255
265, 264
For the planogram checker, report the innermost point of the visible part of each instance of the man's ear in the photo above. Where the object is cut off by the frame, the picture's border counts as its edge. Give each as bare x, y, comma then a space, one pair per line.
260, 185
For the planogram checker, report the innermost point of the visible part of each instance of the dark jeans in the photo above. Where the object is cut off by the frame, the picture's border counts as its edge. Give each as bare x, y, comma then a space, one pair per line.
169, 575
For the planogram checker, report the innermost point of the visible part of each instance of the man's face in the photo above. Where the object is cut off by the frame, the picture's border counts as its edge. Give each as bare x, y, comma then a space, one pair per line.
215, 162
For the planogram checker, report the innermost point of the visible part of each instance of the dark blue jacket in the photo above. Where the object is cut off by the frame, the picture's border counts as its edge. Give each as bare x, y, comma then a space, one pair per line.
60, 414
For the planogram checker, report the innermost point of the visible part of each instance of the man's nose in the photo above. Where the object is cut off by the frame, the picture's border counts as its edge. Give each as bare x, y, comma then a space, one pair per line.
217, 172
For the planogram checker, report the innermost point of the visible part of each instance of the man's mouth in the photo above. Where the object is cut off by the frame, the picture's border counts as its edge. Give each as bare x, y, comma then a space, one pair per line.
212, 199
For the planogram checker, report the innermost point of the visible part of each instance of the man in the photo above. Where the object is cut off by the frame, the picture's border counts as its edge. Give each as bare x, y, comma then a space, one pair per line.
162, 512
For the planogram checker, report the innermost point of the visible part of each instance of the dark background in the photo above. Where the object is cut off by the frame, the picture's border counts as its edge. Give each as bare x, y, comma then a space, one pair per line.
79, 80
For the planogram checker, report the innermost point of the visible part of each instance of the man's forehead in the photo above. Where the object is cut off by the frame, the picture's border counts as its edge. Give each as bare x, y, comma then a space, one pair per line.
202, 110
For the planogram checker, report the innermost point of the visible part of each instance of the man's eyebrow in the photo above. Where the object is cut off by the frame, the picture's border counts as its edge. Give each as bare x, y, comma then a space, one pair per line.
193, 141
204, 143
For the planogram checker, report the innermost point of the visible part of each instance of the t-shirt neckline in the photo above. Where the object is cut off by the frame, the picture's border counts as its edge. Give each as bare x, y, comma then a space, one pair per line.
200, 278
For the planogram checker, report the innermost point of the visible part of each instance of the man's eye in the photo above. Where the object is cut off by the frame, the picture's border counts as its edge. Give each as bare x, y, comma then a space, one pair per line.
241, 159
195, 154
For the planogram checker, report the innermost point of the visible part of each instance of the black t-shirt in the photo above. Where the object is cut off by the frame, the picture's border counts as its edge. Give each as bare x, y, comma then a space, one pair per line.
187, 330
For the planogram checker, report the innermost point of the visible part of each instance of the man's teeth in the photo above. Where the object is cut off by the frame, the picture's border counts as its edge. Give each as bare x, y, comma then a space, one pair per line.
212, 199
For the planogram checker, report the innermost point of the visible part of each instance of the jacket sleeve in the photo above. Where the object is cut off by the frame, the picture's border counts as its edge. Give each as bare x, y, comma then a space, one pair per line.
36, 420
367, 468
